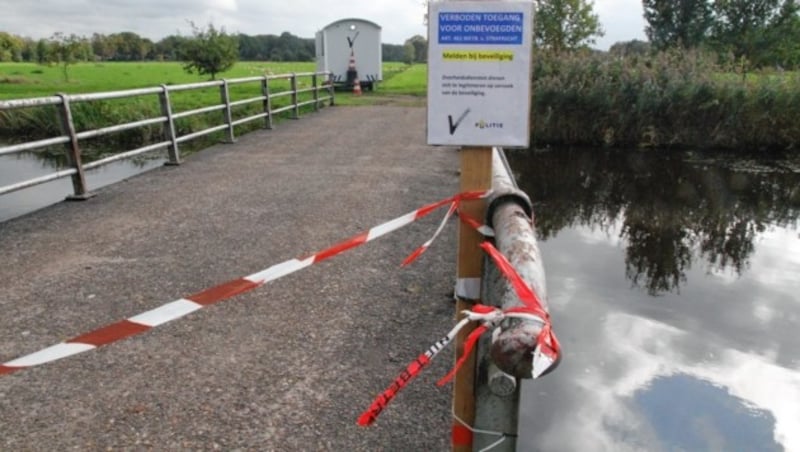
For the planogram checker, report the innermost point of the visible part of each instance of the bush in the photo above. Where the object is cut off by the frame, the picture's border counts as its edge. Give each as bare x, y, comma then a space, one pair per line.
665, 100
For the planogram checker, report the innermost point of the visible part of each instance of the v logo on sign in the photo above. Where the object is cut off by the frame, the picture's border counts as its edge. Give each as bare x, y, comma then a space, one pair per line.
454, 125
352, 41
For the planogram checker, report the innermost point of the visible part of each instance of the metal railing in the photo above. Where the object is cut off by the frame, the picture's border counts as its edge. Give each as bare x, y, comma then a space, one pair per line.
506, 357
72, 138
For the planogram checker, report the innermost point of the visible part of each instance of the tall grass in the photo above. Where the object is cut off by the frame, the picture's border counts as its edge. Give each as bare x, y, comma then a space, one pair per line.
671, 99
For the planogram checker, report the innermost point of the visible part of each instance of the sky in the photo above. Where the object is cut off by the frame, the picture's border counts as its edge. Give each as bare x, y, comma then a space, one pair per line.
154, 19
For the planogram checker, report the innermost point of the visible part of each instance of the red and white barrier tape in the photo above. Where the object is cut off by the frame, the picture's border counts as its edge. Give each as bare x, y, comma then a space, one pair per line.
184, 306
547, 348
544, 355
490, 318
411, 371
487, 314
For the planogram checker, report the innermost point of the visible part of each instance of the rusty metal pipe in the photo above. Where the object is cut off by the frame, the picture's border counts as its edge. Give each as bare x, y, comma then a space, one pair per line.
510, 214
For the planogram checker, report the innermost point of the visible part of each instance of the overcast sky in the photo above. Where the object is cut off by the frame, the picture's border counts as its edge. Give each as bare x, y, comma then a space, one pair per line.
621, 19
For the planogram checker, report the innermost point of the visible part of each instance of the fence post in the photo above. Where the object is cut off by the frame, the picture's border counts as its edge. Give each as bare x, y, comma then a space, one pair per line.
497, 401
80, 190
331, 91
226, 99
267, 102
169, 127
506, 358
476, 175
316, 93
295, 98
497, 393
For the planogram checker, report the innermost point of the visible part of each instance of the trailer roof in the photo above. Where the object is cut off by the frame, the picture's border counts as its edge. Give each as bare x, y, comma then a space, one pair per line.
352, 19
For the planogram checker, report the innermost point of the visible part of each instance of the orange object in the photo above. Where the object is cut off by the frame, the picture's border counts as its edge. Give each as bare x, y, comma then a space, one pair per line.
462, 436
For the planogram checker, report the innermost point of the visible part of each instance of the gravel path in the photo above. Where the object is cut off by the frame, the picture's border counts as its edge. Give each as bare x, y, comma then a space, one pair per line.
288, 366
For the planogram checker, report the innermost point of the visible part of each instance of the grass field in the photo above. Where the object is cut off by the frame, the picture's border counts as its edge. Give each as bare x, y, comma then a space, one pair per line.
28, 80
20, 80
401, 84
24, 80
411, 80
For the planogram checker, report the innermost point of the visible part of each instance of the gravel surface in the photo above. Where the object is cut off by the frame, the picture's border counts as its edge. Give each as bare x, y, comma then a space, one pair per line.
288, 366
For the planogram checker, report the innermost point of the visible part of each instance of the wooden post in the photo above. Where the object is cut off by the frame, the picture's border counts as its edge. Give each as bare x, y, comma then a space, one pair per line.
476, 175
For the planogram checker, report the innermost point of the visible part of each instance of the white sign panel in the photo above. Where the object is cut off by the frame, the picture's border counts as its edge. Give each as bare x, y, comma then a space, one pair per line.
479, 73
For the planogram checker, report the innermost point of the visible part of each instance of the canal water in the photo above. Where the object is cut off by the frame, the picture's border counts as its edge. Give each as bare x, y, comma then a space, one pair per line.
674, 286
20, 167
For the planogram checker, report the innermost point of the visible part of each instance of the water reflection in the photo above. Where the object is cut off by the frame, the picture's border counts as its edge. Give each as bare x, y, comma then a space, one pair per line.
674, 208
716, 425
644, 393
28, 165
712, 366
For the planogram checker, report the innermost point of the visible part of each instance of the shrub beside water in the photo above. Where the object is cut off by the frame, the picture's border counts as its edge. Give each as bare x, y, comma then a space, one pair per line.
667, 100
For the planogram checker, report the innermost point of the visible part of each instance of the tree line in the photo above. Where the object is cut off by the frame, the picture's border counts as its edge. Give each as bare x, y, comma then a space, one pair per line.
128, 46
755, 33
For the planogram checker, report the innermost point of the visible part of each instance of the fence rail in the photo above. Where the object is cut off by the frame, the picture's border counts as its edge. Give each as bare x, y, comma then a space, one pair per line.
72, 138
506, 357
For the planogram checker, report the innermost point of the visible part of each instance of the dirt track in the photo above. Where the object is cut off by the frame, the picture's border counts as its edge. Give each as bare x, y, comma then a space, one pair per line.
288, 366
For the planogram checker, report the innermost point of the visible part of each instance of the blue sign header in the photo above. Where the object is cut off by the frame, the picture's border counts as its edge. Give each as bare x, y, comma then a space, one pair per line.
502, 28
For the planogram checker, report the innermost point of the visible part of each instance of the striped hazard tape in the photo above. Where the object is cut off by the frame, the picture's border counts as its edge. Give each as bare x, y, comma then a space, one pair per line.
179, 308
546, 353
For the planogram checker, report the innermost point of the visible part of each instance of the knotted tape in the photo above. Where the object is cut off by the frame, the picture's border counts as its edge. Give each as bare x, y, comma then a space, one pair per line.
545, 353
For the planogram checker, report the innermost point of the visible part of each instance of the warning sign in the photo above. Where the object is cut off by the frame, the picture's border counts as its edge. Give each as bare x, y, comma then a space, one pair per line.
456, 55
479, 60
481, 28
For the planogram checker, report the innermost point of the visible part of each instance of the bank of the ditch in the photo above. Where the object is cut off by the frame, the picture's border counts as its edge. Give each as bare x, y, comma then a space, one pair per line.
666, 100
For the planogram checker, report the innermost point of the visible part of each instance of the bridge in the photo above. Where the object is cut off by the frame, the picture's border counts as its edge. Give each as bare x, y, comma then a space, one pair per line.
289, 365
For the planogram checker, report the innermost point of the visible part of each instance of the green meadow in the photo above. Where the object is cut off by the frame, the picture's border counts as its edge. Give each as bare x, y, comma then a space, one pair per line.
28, 80
410, 80
24, 80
